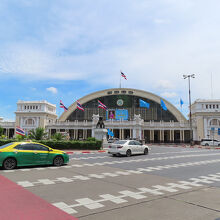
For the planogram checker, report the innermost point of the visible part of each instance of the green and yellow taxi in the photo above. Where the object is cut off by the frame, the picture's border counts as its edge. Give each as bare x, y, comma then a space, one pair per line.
30, 154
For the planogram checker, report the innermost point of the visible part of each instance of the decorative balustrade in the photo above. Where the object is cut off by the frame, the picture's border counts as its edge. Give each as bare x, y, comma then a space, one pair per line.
122, 123
7, 124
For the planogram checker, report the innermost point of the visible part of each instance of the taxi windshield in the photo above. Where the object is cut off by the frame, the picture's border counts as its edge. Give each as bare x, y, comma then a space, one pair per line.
5, 145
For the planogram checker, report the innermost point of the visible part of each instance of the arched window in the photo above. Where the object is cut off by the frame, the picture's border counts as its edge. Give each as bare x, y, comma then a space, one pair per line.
29, 121
214, 122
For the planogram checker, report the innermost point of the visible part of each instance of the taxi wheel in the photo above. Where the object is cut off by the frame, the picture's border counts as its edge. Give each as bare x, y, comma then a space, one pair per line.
145, 151
128, 153
58, 161
9, 163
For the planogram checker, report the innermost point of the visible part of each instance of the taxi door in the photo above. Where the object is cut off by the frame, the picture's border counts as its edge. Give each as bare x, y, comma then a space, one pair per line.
41, 154
24, 154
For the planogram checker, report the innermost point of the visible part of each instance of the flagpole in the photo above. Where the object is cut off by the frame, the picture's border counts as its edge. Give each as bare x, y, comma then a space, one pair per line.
120, 81
59, 111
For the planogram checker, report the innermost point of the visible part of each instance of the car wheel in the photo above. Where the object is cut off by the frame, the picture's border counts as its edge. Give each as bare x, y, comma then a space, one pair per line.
206, 144
128, 153
114, 155
145, 151
9, 164
58, 161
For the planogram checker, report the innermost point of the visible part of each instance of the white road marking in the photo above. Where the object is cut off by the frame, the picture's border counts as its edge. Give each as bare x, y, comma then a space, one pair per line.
123, 173
139, 193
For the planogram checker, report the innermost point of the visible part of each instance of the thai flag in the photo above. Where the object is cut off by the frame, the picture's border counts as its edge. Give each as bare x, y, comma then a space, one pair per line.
63, 106
20, 131
101, 105
79, 106
123, 75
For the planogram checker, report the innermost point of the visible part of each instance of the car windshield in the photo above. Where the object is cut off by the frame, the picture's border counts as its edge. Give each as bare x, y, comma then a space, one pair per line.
120, 142
5, 145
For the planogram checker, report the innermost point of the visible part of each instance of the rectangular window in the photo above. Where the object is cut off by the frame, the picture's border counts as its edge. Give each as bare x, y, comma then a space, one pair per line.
210, 106
213, 106
216, 106
206, 106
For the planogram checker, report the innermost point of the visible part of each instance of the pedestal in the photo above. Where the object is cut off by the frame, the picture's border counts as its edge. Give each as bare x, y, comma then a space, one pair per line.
100, 134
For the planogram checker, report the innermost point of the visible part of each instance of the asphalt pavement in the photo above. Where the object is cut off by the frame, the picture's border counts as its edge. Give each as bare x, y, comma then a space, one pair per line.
169, 183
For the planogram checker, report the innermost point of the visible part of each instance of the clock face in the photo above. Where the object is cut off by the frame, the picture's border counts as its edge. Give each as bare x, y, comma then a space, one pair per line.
120, 102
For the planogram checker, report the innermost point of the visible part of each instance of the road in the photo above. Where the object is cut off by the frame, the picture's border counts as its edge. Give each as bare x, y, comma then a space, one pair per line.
169, 183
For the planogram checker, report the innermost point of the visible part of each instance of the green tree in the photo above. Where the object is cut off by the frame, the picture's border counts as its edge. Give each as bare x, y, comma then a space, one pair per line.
38, 134
1, 131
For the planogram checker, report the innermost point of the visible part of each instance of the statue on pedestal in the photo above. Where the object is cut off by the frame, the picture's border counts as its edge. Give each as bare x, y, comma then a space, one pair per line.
100, 123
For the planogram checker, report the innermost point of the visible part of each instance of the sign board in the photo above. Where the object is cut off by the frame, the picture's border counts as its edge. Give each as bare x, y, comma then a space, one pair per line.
218, 131
121, 114
117, 114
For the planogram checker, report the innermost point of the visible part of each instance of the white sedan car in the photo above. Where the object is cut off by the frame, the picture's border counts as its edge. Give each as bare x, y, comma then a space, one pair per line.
128, 148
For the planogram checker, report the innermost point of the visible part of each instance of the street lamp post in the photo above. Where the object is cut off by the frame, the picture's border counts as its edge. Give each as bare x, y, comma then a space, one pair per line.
190, 113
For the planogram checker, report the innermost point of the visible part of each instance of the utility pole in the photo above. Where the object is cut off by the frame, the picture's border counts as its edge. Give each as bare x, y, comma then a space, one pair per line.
190, 113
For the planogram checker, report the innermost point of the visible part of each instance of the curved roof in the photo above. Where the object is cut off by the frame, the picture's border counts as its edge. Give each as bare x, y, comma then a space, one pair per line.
141, 93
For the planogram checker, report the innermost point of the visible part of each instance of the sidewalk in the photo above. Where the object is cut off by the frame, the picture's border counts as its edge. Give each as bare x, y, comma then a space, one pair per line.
20, 204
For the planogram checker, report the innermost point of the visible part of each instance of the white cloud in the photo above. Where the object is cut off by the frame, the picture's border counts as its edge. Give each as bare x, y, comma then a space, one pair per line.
168, 94
52, 89
83, 41
164, 84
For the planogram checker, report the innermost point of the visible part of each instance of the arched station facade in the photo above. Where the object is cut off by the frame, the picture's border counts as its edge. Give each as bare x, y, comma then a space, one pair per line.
124, 117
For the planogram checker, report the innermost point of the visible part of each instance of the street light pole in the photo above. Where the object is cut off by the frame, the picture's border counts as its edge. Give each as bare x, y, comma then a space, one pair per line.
190, 113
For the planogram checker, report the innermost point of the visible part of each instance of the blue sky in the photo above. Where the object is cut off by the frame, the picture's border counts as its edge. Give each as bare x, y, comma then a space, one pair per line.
52, 49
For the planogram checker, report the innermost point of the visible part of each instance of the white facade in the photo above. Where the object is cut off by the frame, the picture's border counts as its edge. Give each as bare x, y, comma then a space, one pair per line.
206, 118
33, 114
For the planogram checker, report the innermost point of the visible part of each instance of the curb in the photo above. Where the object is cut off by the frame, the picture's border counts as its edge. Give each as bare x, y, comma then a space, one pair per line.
85, 152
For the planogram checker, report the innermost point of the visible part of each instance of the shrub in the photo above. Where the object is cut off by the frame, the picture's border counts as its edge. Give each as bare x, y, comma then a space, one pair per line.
20, 137
91, 139
73, 145
64, 145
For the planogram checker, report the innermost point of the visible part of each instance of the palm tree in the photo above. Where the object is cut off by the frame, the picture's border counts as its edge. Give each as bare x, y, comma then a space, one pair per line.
37, 134
58, 137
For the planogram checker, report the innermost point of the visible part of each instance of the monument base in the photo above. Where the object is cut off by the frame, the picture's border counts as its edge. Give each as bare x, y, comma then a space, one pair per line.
101, 134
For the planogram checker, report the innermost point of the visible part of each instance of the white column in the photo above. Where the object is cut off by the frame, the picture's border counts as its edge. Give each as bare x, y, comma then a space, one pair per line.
140, 137
122, 134
205, 128
134, 133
